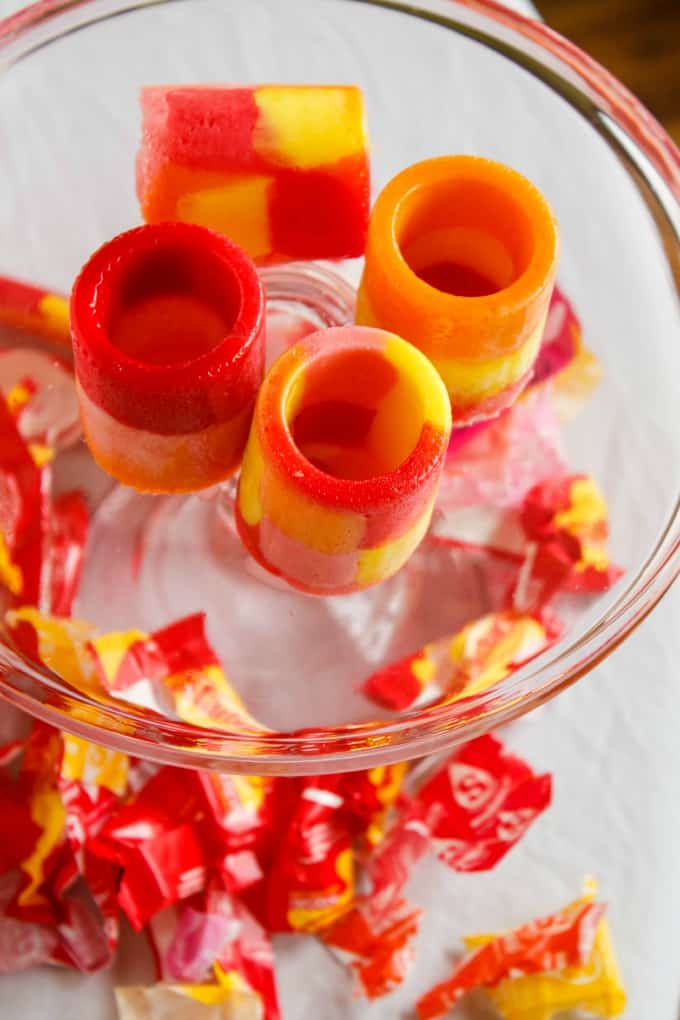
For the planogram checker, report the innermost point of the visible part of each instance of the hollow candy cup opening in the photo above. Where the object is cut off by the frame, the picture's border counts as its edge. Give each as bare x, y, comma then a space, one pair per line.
461, 260
343, 460
611, 175
168, 341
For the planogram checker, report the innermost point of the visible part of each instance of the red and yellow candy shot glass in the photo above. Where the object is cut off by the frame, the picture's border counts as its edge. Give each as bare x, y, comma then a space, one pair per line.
283, 170
168, 337
343, 460
461, 260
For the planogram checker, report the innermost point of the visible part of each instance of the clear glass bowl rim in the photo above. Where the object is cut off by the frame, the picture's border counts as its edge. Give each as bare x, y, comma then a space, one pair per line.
654, 161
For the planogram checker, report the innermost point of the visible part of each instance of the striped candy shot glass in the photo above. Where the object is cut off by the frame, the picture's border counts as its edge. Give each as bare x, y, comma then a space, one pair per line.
343, 460
461, 261
168, 330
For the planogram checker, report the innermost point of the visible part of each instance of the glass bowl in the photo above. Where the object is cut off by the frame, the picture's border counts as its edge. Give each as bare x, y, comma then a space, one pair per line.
438, 77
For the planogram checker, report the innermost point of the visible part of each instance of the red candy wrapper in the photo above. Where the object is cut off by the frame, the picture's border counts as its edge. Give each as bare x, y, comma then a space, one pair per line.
49, 869
311, 881
22, 516
47, 911
177, 830
566, 522
182, 668
63, 563
480, 804
378, 949
551, 943
472, 660
42, 541
24, 945
326, 821
470, 812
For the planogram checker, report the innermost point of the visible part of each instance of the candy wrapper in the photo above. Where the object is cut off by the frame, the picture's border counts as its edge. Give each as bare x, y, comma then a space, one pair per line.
470, 812
551, 943
180, 828
559, 962
49, 869
65, 552
311, 881
594, 987
22, 513
61, 644
228, 997
212, 935
378, 949
566, 523
42, 540
472, 660
326, 821
40, 392
175, 668
34, 310
180, 665
59, 907
91, 780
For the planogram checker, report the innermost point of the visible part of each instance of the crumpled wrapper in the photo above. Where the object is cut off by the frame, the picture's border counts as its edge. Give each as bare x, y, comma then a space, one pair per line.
378, 949
561, 962
214, 934
327, 821
566, 522
227, 998
470, 813
475, 658
41, 396
181, 667
42, 538
176, 663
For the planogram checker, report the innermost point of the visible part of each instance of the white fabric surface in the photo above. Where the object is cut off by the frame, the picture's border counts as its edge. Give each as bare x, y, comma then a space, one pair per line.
611, 743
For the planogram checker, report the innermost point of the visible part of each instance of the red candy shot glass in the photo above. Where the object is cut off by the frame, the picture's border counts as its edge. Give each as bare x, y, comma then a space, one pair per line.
168, 331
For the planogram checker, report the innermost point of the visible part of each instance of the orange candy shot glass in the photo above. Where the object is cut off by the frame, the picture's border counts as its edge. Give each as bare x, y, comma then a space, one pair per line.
461, 260
343, 460
168, 330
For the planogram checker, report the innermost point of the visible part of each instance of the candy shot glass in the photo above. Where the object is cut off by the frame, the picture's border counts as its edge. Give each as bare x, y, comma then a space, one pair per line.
168, 337
461, 260
343, 460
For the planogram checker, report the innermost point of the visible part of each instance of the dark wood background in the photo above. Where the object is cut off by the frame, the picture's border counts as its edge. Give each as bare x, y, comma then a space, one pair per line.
637, 40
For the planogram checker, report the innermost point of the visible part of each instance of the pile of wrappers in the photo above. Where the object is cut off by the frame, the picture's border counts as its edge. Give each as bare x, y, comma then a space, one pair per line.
196, 860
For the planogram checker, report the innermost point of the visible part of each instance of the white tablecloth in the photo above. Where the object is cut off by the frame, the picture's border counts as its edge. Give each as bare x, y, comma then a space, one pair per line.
611, 743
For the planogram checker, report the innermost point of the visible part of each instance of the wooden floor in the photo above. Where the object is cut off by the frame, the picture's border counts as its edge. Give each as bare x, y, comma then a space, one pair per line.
637, 40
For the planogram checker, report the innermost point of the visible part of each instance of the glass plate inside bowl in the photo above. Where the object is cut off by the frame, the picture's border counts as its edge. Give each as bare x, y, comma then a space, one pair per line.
454, 77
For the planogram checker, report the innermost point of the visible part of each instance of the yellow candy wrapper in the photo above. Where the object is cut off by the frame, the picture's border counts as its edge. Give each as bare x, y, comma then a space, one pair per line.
230, 997
595, 987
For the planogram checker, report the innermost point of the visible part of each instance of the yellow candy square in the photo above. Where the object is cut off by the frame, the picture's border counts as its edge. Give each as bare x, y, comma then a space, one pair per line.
305, 127
239, 209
